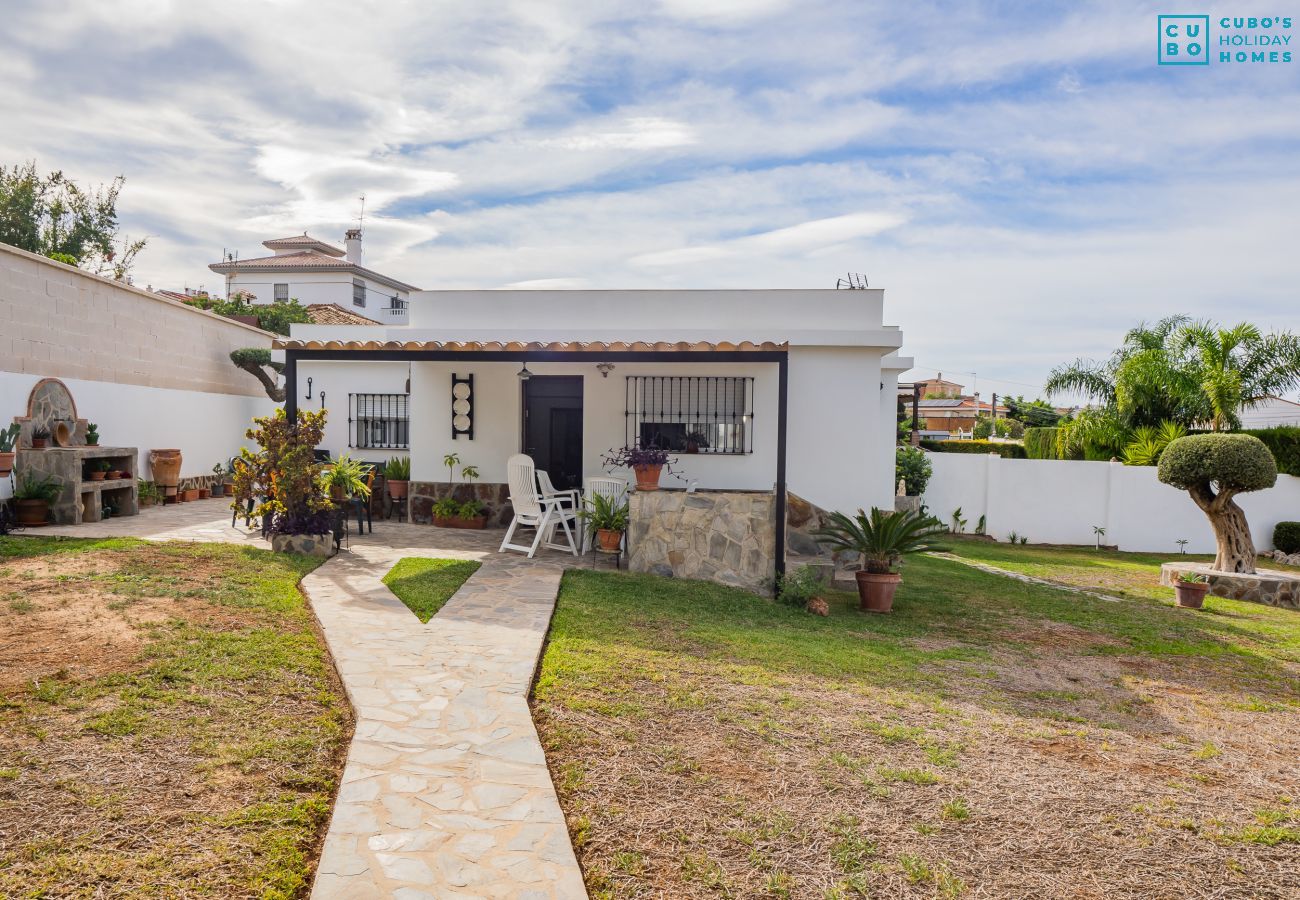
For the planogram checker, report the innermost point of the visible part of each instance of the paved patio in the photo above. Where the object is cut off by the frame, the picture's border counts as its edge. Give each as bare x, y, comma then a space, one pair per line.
445, 793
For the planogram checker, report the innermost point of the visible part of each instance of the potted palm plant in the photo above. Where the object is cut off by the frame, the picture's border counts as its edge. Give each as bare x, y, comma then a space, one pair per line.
8, 441
647, 462
397, 472
608, 519
33, 497
882, 540
1190, 589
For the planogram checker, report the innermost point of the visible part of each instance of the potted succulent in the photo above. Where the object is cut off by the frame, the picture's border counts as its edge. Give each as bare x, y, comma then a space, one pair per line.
882, 540
8, 441
147, 493
40, 438
32, 499
92, 435
397, 472
218, 487
1190, 589
608, 518
647, 462
345, 477
99, 471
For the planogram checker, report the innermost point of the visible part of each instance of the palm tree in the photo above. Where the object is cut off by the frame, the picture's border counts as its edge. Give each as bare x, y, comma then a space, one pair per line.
1239, 366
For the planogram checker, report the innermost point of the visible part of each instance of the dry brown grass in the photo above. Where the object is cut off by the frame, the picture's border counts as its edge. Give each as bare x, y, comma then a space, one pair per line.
170, 725
1048, 760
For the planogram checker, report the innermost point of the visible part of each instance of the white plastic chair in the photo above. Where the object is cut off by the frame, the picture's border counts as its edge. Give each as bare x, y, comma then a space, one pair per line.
615, 489
535, 511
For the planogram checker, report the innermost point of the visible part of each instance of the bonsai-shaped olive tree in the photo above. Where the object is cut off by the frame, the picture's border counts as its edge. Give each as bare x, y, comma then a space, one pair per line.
1214, 468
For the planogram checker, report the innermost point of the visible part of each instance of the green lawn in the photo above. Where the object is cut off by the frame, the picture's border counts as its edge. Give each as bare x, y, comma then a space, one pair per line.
707, 742
170, 724
425, 584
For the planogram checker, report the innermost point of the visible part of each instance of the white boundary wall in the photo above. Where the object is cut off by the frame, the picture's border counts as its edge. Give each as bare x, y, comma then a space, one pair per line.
1059, 501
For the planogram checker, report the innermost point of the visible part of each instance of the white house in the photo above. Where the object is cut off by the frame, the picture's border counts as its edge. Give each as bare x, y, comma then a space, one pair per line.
1270, 413
315, 272
756, 391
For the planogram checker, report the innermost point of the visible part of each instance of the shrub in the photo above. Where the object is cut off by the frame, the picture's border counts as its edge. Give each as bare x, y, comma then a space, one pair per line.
1284, 442
1006, 451
911, 465
1234, 462
798, 587
1286, 537
1040, 443
284, 472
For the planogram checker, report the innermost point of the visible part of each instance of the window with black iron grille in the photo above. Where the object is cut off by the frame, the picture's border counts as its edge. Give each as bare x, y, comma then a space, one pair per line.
690, 414
379, 421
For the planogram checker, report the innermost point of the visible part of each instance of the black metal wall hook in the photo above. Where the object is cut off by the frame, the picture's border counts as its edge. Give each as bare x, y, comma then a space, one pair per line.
308, 397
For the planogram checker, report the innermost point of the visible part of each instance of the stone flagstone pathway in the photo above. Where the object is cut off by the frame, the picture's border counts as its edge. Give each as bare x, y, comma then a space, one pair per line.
445, 793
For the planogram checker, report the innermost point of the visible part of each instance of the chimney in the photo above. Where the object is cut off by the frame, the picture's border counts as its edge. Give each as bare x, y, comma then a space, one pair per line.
352, 241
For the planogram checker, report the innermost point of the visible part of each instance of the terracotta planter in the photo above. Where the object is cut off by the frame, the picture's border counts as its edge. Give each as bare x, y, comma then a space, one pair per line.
32, 513
876, 591
62, 435
191, 495
166, 467
146, 502
204, 493
337, 492
7, 463
397, 489
39, 443
476, 523
1191, 595
647, 477
98, 476
114, 475
608, 540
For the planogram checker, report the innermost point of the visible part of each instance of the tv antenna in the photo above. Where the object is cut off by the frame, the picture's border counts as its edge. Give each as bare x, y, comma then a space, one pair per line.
854, 281
361, 219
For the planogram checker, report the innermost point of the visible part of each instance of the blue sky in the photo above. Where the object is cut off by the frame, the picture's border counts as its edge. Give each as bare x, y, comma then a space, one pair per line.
1021, 178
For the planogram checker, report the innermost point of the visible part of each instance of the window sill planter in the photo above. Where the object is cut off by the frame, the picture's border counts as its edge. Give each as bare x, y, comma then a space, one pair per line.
32, 513
876, 591
1191, 595
647, 477
476, 523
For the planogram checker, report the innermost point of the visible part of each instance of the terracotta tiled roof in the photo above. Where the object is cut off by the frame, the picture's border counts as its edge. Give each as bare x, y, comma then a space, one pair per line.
521, 346
305, 241
333, 314
307, 261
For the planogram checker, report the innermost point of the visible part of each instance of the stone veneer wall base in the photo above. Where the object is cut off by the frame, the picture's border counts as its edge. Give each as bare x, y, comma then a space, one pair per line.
723, 536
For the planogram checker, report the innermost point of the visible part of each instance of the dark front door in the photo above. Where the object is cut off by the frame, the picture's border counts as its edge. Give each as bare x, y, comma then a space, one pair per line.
553, 427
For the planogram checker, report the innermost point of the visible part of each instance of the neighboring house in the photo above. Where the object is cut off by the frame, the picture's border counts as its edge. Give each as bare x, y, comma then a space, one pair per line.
937, 387
954, 414
315, 272
776, 388
1271, 412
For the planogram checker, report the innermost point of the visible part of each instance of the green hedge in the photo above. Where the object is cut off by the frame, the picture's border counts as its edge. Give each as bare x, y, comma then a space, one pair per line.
1006, 451
1040, 443
1284, 442
1286, 537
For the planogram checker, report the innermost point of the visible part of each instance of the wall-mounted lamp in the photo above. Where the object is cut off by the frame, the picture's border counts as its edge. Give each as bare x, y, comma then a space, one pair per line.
604, 369
308, 397
524, 374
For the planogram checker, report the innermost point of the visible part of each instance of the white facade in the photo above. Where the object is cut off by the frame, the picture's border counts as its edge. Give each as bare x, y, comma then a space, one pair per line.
314, 271
841, 426
1059, 501
1270, 413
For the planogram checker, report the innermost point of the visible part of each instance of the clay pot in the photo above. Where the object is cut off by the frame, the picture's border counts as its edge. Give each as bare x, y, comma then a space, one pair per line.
876, 591
191, 495
1191, 595
7, 463
62, 435
39, 443
204, 493
166, 467
475, 523
397, 489
647, 477
608, 540
32, 513
98, 476
337, 493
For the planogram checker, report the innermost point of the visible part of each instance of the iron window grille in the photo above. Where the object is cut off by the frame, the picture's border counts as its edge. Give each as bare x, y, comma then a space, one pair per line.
690, 414
379, 421
358, 292
282, 292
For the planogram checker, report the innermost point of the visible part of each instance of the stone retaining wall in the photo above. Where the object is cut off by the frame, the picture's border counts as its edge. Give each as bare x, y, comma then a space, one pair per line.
723, 536
496, 497
1268, 586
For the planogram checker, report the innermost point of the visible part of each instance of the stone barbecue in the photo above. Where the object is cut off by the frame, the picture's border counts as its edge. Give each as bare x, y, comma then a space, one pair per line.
724, 536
